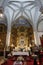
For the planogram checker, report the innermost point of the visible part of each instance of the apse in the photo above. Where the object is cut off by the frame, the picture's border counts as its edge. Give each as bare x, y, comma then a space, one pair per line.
21, 34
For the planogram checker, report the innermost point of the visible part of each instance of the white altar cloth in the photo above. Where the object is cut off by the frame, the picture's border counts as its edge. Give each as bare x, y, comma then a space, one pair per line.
20, 53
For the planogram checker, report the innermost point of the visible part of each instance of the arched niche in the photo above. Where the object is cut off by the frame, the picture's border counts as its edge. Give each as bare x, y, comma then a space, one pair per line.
3, 32
21, 33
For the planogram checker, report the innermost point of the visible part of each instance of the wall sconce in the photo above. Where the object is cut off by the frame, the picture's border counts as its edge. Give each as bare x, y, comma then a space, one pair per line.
1, 15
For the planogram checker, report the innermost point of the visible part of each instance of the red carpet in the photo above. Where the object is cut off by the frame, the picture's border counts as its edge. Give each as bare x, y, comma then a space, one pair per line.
11, 60
28, 60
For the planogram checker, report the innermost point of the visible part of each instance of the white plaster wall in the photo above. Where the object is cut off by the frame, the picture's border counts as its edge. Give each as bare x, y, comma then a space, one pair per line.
40, 26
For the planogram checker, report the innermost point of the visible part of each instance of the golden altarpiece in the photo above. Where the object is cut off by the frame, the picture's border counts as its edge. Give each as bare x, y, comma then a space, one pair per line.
3, 33
21, 35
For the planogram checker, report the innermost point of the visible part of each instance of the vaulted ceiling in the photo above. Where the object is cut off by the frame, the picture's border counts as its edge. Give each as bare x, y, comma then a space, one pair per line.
30, 9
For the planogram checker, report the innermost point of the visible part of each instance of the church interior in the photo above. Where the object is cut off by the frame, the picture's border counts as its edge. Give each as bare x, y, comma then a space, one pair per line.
21, 32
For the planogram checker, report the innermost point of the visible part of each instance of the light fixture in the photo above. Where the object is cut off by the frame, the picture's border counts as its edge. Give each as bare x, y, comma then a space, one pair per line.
1, 15
1, 12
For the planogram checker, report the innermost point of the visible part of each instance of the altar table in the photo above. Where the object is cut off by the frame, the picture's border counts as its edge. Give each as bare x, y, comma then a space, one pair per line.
20, 53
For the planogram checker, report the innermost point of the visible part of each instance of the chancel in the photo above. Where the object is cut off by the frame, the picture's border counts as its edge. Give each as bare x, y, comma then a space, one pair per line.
21, 32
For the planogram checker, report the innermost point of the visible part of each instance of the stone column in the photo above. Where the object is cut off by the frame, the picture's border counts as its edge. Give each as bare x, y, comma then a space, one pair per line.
39, 39
8, 35
36, 37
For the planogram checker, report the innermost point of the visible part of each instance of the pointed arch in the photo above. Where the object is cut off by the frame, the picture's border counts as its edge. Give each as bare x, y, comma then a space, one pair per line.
23, 17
